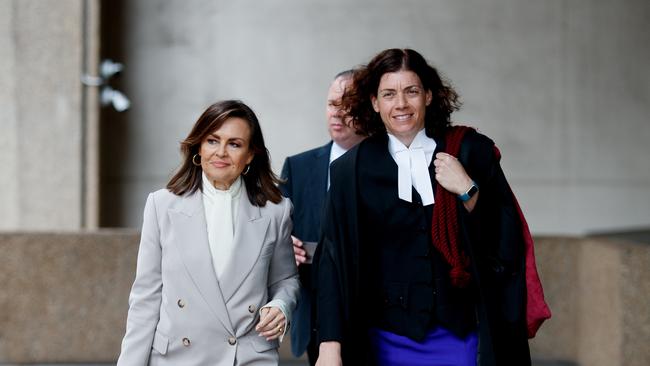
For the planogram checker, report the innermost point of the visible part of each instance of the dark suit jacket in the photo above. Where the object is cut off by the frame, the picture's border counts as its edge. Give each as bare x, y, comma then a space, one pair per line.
305, 184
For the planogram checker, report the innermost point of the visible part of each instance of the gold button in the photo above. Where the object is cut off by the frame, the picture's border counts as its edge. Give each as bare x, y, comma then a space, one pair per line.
181, 303
232, 341
251, 309
186, 342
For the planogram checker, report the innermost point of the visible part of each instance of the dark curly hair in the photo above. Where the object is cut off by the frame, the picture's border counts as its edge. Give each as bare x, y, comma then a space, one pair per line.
357, 98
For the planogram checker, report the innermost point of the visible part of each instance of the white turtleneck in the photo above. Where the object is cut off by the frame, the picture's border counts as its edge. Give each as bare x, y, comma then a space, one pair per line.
413, 166
221, 207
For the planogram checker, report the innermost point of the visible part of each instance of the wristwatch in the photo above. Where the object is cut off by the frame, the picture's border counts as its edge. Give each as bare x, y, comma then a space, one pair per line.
470, 192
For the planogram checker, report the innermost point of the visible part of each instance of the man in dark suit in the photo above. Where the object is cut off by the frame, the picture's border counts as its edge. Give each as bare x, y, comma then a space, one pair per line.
306, 178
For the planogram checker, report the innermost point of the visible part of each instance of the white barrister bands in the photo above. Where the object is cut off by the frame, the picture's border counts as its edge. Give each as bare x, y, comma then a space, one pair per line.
413, 166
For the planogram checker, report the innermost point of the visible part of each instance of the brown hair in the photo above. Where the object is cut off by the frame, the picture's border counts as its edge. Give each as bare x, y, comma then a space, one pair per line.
357, 98
261, 182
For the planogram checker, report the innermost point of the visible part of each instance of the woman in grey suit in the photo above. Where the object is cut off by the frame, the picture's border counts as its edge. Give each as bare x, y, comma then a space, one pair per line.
216, 279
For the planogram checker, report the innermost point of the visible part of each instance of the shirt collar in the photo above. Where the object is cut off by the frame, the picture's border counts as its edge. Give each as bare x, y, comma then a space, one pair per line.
421, 140
336, 151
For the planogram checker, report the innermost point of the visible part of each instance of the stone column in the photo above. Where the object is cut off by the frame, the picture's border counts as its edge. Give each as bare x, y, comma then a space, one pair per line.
44, 183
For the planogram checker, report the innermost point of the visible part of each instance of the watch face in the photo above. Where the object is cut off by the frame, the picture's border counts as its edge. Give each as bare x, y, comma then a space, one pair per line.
472, 191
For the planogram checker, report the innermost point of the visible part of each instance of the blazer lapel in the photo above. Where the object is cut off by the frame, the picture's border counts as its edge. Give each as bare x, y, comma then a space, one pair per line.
191, 238
250, 231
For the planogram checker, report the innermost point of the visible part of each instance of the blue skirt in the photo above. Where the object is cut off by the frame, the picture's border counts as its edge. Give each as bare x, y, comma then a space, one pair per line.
439, 348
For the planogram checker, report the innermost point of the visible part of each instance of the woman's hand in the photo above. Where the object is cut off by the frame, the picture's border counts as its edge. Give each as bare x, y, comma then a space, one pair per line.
451, 175
272, 323
329, 354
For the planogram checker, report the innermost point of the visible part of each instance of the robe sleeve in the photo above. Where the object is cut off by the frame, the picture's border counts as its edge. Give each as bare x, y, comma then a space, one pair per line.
336, 254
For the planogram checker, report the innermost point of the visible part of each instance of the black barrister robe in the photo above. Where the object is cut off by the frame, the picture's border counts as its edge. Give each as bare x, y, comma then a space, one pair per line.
492, 238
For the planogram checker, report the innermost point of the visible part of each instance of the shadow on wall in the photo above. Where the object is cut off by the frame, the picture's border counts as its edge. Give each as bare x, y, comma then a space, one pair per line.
114, 126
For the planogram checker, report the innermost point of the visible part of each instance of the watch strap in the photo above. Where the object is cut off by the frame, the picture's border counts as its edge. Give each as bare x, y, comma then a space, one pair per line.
471, 191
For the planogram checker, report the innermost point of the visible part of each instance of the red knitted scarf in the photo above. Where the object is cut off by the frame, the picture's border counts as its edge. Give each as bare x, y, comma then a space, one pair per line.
444, 228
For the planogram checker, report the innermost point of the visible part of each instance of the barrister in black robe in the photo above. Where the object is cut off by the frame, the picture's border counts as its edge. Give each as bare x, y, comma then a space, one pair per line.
378, 269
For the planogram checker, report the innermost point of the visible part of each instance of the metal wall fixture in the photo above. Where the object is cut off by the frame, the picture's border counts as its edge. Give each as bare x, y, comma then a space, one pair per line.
108, 95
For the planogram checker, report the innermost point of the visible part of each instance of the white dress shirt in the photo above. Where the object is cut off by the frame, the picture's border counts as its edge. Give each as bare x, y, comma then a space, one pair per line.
413, 166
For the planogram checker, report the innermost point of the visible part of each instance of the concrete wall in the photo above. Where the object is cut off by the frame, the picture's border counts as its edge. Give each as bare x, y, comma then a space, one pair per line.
41, 119
561, 86
599, 293
64, 298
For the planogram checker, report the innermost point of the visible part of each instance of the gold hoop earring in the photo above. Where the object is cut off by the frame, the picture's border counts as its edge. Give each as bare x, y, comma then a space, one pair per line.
194, 161
248, 168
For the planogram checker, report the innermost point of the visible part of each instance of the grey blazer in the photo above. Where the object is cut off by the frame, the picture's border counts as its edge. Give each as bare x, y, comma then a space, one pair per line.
179, 314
